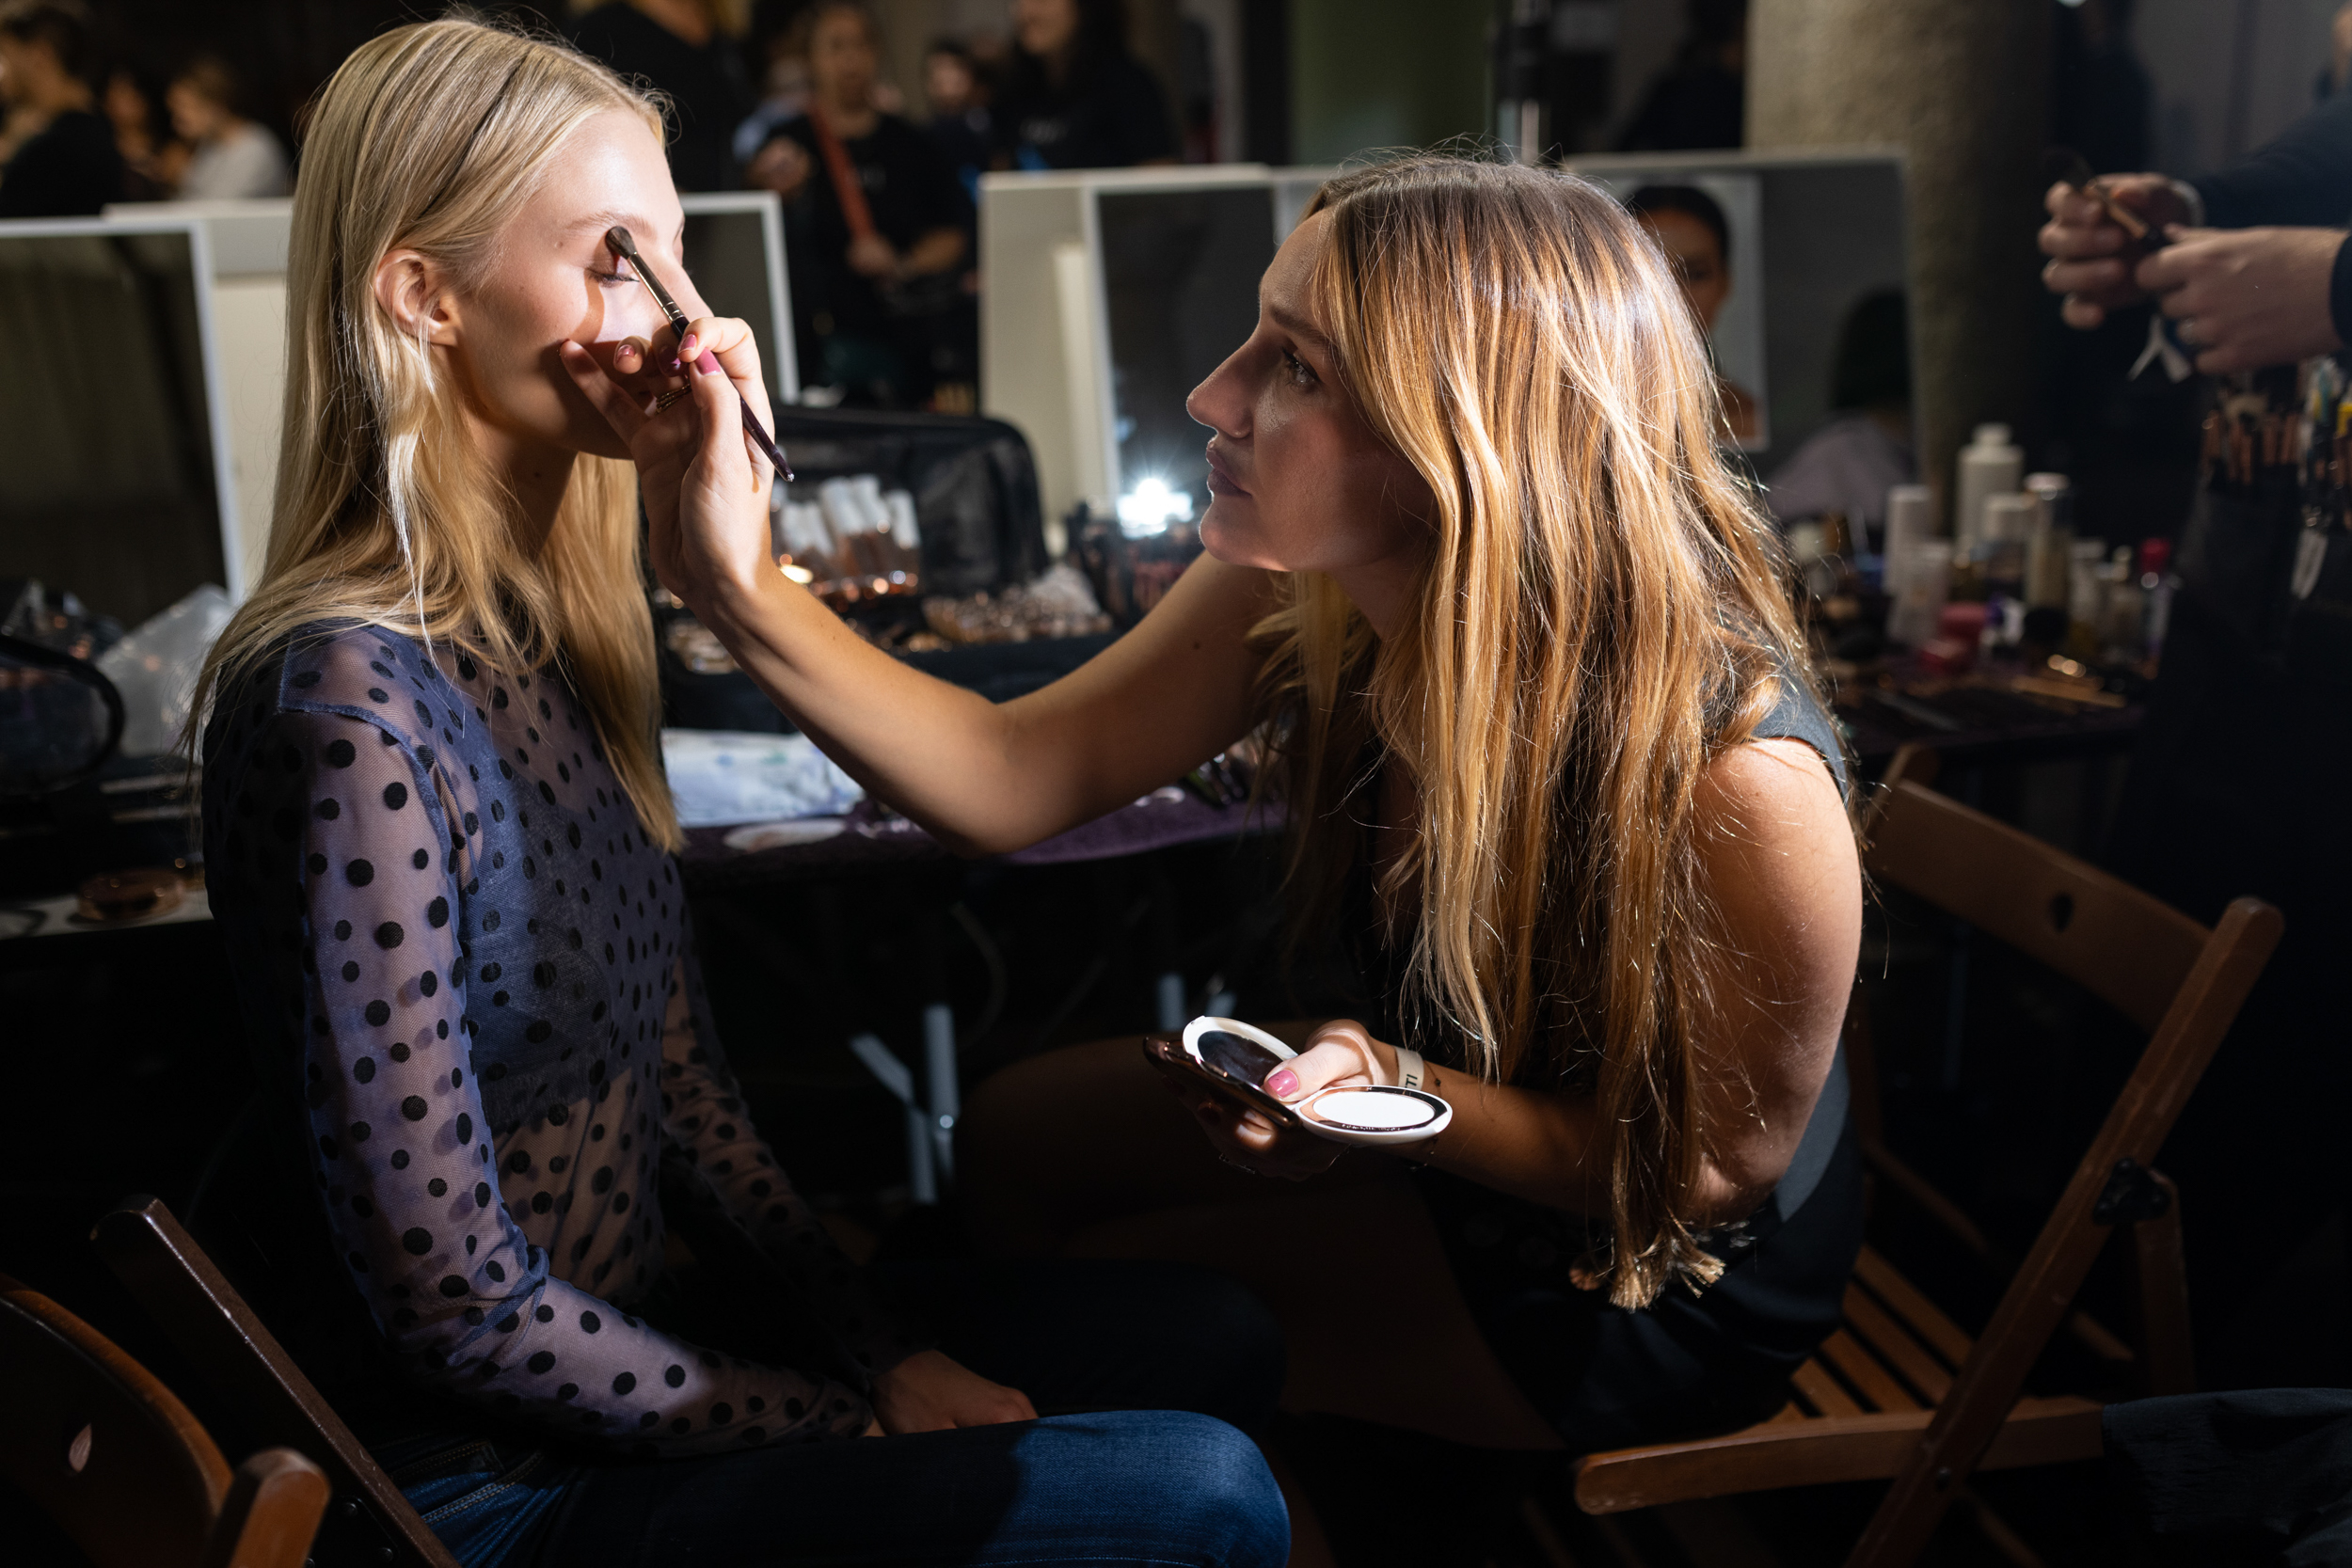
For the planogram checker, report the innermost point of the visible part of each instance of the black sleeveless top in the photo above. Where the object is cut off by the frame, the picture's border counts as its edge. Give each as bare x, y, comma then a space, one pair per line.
1691, 1361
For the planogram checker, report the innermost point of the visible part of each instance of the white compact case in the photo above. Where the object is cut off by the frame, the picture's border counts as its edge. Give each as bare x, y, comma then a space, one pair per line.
1369, 1114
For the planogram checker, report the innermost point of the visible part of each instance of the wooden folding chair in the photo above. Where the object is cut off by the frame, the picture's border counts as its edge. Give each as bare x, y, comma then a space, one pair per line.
106, 1451
1899, 1391
210, 1323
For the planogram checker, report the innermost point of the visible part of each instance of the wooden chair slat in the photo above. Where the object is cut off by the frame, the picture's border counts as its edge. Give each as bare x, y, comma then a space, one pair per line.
148, 1481
1824, 1393
143, 1242
1971, 1417
1915, 1311
99, 1444
2099, 931
1861, 1371
1876, 1327
1803, 1453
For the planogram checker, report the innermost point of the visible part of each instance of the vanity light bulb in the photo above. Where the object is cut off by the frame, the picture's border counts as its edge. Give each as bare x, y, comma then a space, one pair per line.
1151, 506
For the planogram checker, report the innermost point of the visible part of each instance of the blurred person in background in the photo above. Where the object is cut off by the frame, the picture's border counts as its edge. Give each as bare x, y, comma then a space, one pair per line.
961, 126
64, 164
678, 48
1689, 226
1075, 97
1702, 100
235, 159
880, 228
1865, 450
152, 158
64, 161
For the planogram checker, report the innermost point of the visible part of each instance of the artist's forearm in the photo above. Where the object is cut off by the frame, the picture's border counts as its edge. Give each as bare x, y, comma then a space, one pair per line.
1544, 1146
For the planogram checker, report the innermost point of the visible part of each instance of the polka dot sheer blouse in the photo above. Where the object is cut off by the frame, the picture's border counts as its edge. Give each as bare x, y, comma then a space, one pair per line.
444, 912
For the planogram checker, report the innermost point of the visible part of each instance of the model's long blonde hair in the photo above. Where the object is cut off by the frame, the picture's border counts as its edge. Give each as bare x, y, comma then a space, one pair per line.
430, 138
1603, 611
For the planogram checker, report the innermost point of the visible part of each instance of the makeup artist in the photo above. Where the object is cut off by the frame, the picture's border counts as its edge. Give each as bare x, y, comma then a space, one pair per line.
1548, 740
441, 848
2234, 781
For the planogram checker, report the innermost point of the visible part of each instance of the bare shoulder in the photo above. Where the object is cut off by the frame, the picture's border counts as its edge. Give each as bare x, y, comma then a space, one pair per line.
1777, 853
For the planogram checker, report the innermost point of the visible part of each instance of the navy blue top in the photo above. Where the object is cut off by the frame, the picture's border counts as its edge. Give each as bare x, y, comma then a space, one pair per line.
453, 933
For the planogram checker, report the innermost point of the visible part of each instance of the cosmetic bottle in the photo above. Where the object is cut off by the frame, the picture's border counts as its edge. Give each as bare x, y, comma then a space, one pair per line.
1926, 574
1989, 465
1910, 519
2008, 522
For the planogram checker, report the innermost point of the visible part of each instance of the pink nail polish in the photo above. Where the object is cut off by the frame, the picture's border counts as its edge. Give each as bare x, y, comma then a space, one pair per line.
707, 364
1282, 1084
687, 345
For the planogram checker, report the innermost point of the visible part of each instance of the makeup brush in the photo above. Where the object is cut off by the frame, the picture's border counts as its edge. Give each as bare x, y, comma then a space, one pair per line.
2067, 166
618, 238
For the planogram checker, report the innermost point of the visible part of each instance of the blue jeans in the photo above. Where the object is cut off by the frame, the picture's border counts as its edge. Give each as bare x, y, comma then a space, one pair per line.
1170, 1360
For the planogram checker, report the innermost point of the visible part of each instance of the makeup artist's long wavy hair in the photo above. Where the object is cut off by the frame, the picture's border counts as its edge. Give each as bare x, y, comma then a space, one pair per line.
1603, 613
431, 136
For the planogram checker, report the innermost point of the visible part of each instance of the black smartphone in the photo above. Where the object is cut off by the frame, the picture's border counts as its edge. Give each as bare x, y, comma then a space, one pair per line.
1234, 1068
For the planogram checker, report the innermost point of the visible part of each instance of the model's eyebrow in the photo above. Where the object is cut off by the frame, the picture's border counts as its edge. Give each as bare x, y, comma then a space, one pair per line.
636, 223
1297, 326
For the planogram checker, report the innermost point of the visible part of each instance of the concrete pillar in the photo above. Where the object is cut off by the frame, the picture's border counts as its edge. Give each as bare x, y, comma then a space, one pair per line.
1962, 86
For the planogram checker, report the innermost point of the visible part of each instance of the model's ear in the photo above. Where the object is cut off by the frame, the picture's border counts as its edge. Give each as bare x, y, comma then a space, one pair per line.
409, 288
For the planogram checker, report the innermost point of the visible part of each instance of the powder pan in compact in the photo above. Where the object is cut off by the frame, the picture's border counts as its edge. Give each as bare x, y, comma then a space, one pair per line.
1374, 1114
1356, 1114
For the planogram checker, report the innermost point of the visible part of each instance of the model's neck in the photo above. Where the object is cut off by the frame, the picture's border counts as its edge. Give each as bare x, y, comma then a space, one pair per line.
535, 476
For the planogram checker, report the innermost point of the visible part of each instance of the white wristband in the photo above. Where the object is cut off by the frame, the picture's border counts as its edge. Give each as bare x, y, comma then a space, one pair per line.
1408, 1068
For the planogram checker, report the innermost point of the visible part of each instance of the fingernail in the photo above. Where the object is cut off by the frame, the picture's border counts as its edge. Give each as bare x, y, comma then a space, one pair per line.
687, 347
708, 365
1282, 1084
675, 365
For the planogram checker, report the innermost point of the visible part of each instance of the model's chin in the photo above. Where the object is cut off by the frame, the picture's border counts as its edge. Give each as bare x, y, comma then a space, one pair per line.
1229, 531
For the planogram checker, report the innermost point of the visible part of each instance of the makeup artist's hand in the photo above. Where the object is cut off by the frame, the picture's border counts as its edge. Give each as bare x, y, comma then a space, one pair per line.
706, 487
2090, 256
931, 1392
1342, 1052
2247, 297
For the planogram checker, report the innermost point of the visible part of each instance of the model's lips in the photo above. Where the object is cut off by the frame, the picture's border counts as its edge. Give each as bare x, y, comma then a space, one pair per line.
1222, 481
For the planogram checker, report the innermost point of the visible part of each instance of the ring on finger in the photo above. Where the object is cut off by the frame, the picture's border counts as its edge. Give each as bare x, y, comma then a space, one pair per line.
661, 403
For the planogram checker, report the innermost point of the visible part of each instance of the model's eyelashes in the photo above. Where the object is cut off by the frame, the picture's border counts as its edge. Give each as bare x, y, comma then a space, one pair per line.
1302, 374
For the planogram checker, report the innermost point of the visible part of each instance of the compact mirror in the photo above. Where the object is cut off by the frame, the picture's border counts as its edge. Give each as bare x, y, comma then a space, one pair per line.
1352, 1114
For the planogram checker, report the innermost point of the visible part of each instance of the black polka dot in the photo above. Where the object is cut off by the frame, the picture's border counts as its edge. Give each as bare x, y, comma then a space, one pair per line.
388, 935
420, 860
568, 1392
438, 1187
340, 753
359, 873
400, 1159
351, 971
428, 982
674, 1376
624, 1382
364, 1070
437, 914
395, 795
545, 1313
306, 679
380, 1014
417, 1240
452, 1286
317, 865
413, 1107
541, 1362
589, 1322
